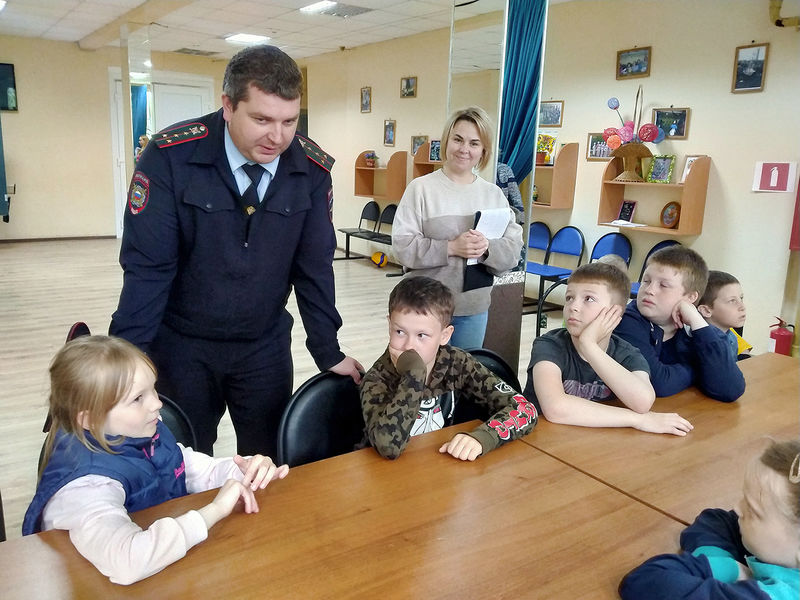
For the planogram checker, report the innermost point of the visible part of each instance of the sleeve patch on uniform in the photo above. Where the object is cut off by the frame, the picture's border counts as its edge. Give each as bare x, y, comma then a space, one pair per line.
138, 192
179, 135
316, 154
330, 204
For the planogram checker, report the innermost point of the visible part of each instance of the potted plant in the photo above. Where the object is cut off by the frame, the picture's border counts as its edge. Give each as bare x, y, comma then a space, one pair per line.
371, 158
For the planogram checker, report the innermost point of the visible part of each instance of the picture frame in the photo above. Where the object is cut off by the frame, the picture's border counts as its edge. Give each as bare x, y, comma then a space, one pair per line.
551, 113
749, 68
416, 142
389, 127
687, 166
596, 148
366, 99
8, 88
435, 151
660, 169
670, 215
634, 62
674, 122
626, 210
408, 87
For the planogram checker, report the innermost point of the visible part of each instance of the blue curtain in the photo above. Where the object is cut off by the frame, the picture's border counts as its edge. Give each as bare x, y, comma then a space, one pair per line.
521, 79
138, 112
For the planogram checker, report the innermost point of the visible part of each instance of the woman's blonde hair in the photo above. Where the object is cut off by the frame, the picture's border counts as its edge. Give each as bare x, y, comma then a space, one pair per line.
89, 375
478, 117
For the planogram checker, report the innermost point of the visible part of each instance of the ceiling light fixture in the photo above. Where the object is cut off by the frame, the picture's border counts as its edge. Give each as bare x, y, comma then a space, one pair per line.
317, 6
246, 38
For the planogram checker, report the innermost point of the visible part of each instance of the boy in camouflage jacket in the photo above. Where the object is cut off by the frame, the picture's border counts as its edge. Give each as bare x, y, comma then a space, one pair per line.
415, 386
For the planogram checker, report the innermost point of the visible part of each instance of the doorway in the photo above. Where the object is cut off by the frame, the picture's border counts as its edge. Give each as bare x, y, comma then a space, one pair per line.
171, 97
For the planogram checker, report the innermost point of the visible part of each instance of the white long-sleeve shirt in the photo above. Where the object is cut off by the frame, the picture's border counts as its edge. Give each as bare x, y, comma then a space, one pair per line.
92, 509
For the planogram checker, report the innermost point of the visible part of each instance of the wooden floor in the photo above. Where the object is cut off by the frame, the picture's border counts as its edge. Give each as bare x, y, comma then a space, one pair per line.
46, 286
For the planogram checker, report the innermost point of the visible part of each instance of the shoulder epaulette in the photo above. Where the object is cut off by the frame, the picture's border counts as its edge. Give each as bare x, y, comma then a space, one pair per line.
316, 154
179, 135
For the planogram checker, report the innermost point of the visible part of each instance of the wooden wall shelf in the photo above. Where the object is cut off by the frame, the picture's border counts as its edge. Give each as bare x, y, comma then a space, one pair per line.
382, 183
423, 166
691, 195
556, 183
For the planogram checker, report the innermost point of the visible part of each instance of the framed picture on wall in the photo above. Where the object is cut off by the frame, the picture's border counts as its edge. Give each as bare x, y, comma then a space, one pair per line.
408, 87
435, 151
674, 122
8, 87
416, 142
551, 113
634, 63
596, 148
388, 132
687, 166
626, 210
660, 170
749, 68
366, 99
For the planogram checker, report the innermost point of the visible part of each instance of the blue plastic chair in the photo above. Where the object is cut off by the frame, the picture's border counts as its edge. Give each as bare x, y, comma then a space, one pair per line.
568, 241
612, 243
662, 244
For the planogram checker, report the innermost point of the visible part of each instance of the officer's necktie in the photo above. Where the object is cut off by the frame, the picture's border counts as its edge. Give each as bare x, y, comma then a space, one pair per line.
250, 197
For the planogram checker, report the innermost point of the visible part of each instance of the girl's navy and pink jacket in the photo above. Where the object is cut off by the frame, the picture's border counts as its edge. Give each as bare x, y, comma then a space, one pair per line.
708, 569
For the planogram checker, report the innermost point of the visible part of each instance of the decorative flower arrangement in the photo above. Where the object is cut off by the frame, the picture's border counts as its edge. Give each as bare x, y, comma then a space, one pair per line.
545, 144
627, 141
617, 136
371, 158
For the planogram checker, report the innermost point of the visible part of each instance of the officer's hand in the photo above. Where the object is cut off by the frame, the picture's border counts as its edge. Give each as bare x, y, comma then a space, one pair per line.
348, 366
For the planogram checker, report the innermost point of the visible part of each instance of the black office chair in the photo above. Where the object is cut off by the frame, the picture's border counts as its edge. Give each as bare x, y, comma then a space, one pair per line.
495, 363
467, 411
323, 419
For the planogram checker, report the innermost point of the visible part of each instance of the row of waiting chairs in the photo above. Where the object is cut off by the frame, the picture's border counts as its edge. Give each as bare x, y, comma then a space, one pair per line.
569, 241
371, 213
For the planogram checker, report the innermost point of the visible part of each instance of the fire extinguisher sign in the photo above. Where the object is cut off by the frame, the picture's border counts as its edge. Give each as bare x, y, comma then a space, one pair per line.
775, 177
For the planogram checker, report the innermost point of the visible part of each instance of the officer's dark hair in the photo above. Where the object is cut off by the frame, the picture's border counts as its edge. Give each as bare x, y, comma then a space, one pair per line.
614, 278
424, 296
716, 281
268, 68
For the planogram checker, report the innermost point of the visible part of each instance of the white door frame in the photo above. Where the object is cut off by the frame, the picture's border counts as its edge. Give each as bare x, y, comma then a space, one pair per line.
117, 124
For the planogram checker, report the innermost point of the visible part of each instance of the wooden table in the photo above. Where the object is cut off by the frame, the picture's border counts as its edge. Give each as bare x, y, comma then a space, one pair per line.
683, 475
515, 524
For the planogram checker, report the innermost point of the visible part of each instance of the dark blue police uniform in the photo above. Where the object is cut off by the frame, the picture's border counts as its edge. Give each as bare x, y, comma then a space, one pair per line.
205, 285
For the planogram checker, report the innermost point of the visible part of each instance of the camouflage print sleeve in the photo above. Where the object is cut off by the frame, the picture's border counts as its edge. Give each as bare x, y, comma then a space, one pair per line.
390, 402
512, 415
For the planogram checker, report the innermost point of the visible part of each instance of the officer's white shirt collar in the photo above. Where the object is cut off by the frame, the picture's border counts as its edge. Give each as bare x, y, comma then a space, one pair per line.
236, 160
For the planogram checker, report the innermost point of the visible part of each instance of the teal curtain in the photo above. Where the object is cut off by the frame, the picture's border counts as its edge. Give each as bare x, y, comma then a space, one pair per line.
138, 112
521, 83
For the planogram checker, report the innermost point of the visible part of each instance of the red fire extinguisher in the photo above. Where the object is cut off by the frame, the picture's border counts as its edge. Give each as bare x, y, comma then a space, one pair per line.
780, 339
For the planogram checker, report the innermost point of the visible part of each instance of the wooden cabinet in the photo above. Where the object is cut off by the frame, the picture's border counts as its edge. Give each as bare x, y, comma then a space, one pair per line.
423, 166
652, 197
382, 183
556, 183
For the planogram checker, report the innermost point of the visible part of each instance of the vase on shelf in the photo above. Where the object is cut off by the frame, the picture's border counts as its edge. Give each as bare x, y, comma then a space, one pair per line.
541, 157
370, 162
632, 154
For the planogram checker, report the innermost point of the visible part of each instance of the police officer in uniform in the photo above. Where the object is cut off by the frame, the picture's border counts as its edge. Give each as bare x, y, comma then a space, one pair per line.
226, 214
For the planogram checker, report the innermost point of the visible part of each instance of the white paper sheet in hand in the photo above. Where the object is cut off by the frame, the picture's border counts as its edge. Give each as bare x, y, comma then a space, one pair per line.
492, 224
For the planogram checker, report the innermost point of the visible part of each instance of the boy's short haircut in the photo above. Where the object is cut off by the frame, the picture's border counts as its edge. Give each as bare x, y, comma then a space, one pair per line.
716, 281
688, 262
615, 260
424, 296
616, 280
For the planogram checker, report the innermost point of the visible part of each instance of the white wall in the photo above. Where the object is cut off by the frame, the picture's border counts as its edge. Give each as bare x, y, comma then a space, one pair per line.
693, 44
